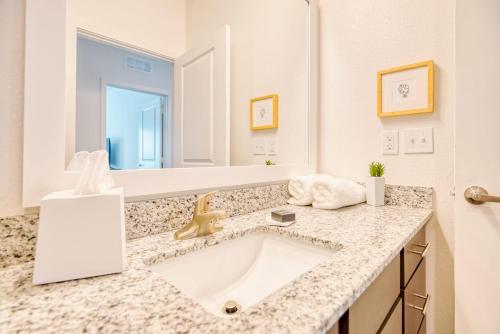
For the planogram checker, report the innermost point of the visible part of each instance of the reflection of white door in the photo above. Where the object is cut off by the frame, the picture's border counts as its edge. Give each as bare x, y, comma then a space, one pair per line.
201, 111
150, 135
477, 227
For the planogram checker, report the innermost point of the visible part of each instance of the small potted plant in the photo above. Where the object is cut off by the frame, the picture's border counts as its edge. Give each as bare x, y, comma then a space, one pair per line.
375, 185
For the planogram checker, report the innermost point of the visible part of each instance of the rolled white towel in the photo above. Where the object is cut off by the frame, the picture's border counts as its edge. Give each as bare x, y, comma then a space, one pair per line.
336, 193
300, 188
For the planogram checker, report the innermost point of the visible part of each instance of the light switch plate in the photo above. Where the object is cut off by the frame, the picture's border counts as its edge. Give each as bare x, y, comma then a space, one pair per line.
259, 146
271, 147
390, 142
418, 140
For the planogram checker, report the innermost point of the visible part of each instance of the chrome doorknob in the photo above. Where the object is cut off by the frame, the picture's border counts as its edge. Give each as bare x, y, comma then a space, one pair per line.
477, 195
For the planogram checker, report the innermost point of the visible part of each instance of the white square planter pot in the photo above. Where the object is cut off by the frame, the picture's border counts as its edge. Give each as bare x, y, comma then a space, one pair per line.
375, 191
79, 236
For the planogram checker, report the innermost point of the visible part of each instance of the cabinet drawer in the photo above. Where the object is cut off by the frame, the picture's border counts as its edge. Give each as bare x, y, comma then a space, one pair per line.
416, 300
369, 311
414, 251
395, 323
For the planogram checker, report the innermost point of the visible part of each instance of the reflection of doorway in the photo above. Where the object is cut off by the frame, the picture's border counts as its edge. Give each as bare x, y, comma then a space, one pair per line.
111, 81
135, 128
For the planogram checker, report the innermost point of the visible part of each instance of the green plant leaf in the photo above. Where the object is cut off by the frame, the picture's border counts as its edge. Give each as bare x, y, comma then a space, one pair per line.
377, 169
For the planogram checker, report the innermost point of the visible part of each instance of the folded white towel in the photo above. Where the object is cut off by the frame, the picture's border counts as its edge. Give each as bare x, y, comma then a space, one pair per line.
300, 188
336, 193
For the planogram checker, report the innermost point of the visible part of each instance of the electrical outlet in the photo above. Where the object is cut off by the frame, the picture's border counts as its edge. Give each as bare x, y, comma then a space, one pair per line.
390, 142
418, 141
271, 147
259, 146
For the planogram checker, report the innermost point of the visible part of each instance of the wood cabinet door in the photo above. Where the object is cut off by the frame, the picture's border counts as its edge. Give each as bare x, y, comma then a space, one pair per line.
367, 314
395, 323
414, 251
415, 300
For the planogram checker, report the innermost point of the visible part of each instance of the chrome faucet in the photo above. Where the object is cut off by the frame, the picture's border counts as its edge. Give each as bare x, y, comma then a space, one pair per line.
204, 222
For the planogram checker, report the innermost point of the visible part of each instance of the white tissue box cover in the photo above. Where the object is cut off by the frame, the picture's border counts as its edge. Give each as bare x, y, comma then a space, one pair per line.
80, 236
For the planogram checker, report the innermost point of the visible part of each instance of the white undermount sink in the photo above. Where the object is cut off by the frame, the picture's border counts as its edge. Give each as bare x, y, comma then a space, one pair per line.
245, 269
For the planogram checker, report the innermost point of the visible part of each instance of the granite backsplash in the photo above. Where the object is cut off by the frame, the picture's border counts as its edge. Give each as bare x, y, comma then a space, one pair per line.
149, 217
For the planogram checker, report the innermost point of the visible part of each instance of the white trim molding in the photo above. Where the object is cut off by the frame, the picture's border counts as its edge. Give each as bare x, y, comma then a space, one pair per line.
49, 102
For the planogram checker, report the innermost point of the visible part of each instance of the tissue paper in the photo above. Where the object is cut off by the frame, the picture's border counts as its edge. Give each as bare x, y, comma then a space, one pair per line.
95, 177
79, 160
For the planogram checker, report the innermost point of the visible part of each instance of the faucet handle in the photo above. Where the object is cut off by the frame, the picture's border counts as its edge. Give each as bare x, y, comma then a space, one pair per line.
203, 202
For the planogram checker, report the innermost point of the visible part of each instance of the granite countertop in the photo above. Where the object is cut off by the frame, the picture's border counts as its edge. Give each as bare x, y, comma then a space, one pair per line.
365, 240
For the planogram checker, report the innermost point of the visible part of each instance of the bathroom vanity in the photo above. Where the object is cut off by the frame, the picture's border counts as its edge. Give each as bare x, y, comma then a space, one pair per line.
361, 276
396, 302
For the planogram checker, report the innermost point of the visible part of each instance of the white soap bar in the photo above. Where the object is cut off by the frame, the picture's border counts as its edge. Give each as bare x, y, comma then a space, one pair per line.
80, 236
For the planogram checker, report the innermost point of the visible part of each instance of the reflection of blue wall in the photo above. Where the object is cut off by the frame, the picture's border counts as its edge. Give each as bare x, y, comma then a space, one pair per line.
96, 62
123, 122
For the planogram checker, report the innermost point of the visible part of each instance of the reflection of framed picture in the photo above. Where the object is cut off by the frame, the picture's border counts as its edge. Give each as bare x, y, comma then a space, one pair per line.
406, 90
264, 112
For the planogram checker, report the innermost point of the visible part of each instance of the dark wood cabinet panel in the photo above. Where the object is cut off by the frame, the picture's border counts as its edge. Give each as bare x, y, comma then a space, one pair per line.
396, 302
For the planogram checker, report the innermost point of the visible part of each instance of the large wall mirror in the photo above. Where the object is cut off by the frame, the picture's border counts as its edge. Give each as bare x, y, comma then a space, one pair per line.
172, 89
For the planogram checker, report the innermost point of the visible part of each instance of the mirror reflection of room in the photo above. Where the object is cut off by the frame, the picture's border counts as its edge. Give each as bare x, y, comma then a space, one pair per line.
207, 83
122, 105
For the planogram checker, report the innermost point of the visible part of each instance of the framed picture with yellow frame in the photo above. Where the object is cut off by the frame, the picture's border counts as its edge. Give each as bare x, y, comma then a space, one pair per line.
264, 112
406, 90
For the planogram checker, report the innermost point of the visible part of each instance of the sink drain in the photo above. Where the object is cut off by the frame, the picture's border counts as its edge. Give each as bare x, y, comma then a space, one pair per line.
231, 307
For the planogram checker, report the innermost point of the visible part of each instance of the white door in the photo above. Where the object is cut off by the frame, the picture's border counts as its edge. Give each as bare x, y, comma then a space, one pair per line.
150, 134
477, 227
201, 103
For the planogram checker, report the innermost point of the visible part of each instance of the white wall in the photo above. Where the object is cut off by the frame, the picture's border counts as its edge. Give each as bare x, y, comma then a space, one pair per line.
11, 105
268, 55
98, 61
156, 25
359, 38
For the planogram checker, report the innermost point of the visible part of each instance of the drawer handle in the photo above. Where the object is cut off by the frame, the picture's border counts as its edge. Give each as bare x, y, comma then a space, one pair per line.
423, 252
422, 309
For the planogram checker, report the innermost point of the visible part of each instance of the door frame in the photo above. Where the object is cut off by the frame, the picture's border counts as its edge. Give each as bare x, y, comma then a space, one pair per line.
166, 114
159, 138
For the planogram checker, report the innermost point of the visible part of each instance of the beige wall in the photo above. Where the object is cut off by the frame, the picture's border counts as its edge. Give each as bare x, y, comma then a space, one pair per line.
358, 38
11, 105
268, 55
